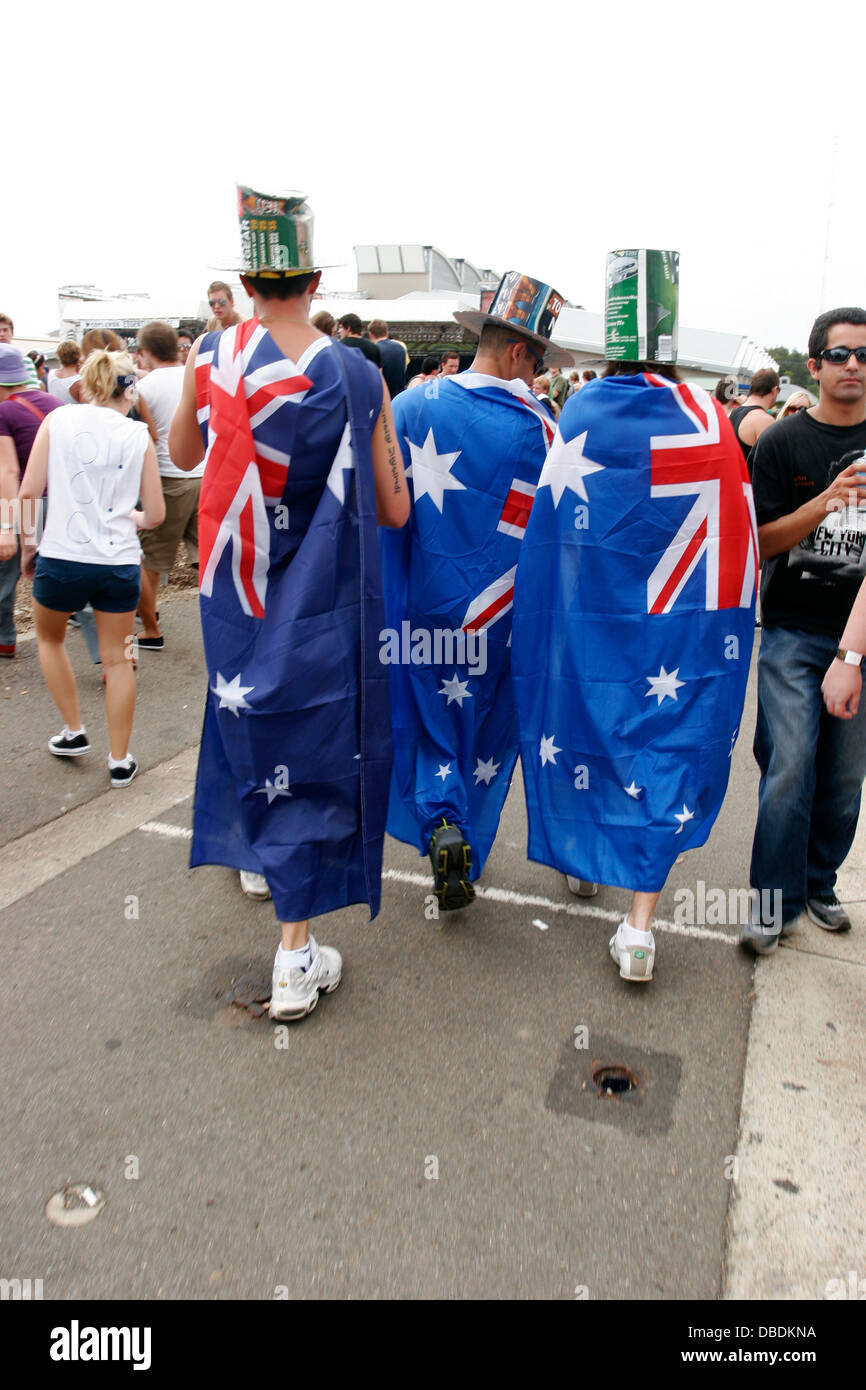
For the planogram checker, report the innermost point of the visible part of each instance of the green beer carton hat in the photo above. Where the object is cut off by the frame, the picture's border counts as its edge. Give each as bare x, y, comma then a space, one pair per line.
276, 234
528, 306
641, 306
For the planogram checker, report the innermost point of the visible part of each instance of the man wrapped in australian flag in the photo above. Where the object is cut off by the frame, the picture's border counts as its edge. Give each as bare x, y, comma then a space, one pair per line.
473, 445
633, 629
301, 462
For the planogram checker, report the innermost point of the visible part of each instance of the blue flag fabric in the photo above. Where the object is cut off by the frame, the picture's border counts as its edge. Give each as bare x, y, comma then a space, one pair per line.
473, 447
296, 749
633, 629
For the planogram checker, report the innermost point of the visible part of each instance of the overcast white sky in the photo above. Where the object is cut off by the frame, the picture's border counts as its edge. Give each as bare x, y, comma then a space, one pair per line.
522, 137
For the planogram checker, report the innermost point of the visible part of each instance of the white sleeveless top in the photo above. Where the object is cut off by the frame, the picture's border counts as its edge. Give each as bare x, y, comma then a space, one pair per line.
95, 458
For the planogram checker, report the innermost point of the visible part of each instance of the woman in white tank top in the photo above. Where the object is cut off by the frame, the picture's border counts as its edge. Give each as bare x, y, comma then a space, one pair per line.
96, 465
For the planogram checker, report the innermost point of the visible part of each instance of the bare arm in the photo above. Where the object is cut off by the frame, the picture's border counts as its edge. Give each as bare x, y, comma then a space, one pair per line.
185, 447
848, 487
754, 424
152, 510
392, 494
8, 493
842, 684
144, 414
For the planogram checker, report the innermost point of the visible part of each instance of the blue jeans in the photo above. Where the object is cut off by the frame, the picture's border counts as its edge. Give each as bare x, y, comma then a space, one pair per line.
812, 769
10, 572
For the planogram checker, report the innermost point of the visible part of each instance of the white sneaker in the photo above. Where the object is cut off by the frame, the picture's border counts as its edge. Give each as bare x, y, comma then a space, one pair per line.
583, 887
255, 885
295, 993
635, 959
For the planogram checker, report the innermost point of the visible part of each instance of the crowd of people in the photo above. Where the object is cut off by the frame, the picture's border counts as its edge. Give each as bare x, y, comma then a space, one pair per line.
396, 600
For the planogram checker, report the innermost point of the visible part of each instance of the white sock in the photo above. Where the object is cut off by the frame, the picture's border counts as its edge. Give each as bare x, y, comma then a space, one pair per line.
119, 762
301, 959
630, 936
73, 733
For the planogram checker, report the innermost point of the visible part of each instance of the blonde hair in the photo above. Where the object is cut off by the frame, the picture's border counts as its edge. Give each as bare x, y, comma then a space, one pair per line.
96, 338
99, 375
796, 398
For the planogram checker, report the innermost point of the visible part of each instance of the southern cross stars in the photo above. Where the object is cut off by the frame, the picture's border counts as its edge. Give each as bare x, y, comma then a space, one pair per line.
664, 684
444, 768
456, 689
485, 772
566, 466
633, 791
431, 472
231, 694
548, 750
682, 816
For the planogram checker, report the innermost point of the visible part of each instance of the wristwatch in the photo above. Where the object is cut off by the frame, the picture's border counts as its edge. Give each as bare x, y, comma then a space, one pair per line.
849, 658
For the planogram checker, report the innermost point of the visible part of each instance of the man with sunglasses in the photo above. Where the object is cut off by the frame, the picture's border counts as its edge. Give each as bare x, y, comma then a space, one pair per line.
222, 306
808, 474
474, 445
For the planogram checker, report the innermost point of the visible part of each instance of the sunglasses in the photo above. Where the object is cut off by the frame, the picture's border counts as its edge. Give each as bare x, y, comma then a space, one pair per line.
214, 302
839, 355
792, 409
539, 361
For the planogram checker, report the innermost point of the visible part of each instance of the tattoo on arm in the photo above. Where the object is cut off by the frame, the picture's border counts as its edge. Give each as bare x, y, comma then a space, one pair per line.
392, 454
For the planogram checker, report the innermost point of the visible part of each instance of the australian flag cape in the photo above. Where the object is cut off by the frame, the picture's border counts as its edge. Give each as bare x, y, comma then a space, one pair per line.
473, 447
296, 749
633, 629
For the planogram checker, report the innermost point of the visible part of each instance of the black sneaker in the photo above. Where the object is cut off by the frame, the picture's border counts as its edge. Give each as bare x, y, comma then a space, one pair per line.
150, 644
122, 776
451, 858
826, 911
62, 746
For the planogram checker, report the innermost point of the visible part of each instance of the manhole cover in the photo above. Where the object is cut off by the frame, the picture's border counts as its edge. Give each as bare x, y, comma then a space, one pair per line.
77, 1204
614, 1080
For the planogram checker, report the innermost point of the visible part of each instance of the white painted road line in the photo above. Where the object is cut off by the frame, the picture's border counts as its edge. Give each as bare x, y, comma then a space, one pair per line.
156, 827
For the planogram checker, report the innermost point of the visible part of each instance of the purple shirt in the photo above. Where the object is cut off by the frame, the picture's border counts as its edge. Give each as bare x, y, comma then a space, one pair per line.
20, 424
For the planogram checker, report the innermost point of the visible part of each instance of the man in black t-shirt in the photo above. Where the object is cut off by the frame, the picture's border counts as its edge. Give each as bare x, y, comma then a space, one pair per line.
809, 475
349, 330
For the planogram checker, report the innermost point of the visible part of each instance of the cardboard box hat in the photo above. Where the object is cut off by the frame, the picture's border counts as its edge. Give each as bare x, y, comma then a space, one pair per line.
530, 307
276, 234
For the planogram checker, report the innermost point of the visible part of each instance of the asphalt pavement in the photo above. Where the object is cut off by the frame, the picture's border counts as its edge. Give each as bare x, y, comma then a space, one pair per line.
432, 1130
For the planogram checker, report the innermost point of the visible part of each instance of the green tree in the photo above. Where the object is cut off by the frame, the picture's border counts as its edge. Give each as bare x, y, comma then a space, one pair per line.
792, 364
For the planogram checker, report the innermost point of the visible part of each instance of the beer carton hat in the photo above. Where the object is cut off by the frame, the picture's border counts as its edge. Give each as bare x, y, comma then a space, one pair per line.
13, 372
641, 306
276, 234
530, 307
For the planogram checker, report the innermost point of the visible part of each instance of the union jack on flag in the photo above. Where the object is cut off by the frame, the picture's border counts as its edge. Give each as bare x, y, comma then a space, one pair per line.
241, 386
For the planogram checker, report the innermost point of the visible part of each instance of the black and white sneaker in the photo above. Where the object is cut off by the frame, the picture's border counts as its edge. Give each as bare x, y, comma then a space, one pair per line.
451, 858
122, 776
150, 644
826, 911
64, 746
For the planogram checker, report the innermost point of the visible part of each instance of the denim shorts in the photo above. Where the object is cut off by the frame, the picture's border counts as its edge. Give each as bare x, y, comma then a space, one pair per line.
68, 586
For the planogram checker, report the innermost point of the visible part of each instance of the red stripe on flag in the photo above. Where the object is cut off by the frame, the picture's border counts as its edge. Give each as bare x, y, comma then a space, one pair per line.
681, 567
248, 555
517, 508
496, 607
272, 389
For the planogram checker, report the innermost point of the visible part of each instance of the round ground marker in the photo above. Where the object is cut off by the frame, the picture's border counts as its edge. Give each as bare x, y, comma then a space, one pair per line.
77, 1204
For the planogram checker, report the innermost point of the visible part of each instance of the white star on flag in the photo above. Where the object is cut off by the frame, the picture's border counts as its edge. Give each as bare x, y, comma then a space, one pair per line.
456, 689
665, 683
548, 749
633, 790
271, 792
566, 466
431, 472
231, 694
444, 768
342, 460
485, 772
682, 816
733, 741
